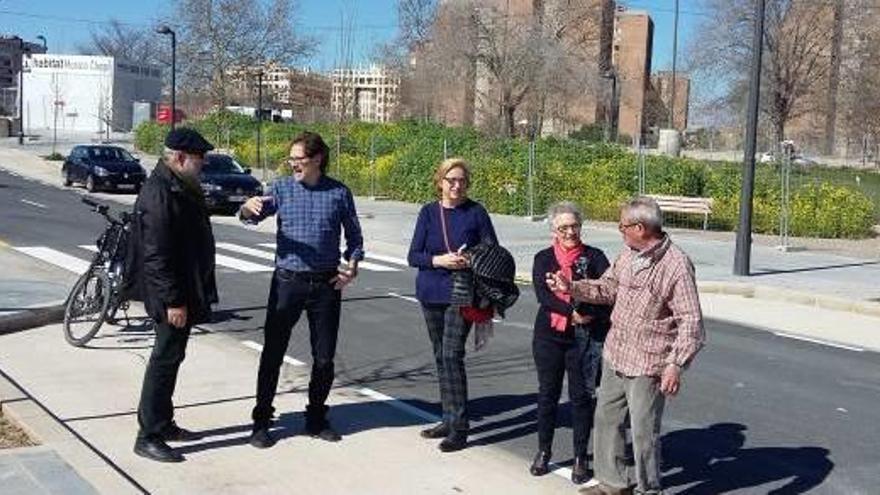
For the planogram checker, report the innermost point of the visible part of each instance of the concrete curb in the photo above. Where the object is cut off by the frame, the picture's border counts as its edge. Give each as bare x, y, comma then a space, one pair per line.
771, 293
31, 318
764, 292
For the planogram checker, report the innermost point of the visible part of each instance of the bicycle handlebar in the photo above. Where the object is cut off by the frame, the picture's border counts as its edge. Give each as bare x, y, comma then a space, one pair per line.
103, 209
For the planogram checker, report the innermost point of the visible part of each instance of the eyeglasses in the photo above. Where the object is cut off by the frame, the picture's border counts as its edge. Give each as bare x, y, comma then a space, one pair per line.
298, 159
623, 226
572, 227
462, 181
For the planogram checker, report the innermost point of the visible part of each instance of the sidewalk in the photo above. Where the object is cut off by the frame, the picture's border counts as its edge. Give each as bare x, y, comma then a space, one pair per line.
94, 393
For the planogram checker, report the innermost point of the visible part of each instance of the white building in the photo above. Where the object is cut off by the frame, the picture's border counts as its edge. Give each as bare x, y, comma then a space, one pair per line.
89, 92
370, 95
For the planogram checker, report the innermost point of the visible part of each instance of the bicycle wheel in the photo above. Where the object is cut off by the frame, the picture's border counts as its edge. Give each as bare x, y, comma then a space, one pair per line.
86, 307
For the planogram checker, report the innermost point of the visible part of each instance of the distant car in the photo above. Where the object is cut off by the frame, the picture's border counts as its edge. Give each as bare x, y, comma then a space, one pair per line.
104, 167
796, 159
226, 183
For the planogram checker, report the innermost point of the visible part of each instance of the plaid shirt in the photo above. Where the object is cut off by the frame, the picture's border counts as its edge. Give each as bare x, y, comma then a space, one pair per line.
657, 318
309, 224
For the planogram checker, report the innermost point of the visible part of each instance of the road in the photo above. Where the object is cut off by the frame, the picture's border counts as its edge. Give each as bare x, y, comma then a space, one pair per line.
758, 412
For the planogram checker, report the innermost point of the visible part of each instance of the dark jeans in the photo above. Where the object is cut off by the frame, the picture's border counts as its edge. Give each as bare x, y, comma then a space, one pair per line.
581, 360
448, 332
156, 411
289, 295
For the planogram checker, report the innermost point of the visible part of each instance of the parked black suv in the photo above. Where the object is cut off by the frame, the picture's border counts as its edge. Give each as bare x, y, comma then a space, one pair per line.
226, 183
100, 166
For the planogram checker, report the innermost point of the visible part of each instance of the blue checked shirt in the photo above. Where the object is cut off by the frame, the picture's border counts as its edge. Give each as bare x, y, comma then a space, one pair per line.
309, 223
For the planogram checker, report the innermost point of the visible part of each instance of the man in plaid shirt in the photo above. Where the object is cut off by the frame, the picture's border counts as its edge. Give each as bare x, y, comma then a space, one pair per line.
656, 329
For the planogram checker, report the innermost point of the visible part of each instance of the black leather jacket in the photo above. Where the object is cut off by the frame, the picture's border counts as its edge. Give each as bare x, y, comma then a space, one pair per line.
173, 248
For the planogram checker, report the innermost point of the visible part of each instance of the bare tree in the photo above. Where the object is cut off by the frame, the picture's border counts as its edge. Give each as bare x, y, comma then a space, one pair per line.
797, 39
527, 64
218, 36
859, 95
124, 41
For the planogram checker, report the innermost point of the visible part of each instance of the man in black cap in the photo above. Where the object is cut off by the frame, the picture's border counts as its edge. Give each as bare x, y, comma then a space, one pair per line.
174, 248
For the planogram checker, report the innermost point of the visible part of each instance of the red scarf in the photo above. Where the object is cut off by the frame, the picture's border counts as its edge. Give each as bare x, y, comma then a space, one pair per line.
566, 259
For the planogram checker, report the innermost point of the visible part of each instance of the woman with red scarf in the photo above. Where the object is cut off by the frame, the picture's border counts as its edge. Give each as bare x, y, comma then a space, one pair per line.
568, 338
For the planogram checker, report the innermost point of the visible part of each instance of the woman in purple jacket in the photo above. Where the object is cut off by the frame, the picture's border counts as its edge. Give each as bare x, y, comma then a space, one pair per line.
444, 229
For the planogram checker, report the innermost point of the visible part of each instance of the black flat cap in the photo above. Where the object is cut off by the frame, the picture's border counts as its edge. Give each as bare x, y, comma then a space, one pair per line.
188, 140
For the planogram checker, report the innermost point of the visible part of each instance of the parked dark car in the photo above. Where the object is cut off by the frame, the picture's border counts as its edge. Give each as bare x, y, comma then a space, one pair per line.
99, 166
226, 183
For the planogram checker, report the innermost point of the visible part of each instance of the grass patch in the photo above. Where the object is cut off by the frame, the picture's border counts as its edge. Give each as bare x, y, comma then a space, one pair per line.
11, 436
54, 157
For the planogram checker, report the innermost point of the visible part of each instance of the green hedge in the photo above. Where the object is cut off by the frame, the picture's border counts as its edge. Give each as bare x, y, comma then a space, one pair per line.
597, 176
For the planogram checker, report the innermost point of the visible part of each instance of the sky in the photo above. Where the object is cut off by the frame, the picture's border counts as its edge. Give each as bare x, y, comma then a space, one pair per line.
67, 23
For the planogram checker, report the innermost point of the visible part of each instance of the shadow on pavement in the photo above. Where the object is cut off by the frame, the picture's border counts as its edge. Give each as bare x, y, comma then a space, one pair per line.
347, 419
713, 460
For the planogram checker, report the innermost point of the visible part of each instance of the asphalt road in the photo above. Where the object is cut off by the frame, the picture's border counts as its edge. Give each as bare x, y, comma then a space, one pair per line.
758, 413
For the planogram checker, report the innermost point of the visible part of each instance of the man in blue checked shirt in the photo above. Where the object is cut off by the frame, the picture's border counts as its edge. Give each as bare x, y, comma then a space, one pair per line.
311, 210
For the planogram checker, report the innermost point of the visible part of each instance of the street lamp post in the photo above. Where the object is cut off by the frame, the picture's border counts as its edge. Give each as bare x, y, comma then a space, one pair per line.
45, 44
21, 93
743, 253
169, 31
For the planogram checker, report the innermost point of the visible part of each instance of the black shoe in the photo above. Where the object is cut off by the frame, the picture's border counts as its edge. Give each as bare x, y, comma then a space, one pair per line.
440, 430
541, 464
453, 442
580, 471
175, 433
156, 450
317, 425
327, 434
261, 438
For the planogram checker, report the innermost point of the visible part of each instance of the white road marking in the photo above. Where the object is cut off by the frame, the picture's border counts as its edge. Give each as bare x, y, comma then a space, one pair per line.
256, 253
398, 404
819, 341
405, 298
57, 258
366, 265
89, 247
240, 265
375, 267
259, 348
388, 259
33, 203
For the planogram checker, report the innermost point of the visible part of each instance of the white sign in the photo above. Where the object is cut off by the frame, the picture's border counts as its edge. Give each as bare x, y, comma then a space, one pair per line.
68, 63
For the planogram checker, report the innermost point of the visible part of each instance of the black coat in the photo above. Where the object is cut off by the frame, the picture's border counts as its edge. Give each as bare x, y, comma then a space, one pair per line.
173, 249
591, 265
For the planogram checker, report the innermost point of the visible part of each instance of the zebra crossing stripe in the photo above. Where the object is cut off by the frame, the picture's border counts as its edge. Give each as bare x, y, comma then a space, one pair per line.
227, 261
256, 253
240, 265
366, 265
388, 259
57, 258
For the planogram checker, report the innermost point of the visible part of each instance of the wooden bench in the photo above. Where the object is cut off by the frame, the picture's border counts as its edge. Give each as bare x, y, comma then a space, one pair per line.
684, 204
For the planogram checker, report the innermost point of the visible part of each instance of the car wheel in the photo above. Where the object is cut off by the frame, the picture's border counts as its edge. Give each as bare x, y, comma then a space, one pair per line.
65, 175
90, 184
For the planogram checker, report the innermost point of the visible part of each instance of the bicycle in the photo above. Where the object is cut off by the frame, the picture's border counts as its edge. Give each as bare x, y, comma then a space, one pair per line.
96, 297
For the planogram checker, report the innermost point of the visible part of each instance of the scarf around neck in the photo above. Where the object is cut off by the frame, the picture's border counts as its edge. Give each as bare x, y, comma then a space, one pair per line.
566, 259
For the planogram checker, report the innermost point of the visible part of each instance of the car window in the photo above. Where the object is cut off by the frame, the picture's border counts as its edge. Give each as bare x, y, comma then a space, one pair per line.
109, 154
221, 164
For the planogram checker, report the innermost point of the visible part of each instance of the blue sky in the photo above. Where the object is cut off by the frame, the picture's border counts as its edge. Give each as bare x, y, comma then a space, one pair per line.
67, 23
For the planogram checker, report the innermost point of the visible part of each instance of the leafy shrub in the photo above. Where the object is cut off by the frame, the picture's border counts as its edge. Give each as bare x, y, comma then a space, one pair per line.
398, 160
